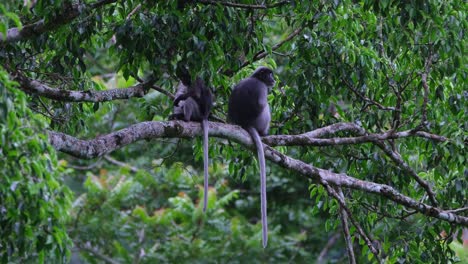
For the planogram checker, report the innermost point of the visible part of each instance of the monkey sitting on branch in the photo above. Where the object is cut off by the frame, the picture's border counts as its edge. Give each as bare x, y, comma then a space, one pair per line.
248, 107
193, 102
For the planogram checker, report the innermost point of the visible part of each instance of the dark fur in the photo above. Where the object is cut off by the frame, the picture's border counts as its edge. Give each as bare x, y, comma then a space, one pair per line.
248, 107
193, 102
202, 96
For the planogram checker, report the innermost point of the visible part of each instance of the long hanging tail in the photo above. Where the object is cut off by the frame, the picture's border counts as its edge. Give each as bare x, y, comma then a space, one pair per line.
204, 124
263, 199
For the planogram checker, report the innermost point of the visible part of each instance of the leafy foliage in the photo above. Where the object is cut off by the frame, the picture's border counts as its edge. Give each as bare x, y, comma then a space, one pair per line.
147, 224
388, 66
33, 202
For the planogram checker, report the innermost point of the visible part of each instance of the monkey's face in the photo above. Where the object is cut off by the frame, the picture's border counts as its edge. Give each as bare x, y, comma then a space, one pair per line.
265, 75
270, 80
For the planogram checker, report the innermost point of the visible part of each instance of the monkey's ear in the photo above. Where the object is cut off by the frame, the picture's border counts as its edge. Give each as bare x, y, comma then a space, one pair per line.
183, 74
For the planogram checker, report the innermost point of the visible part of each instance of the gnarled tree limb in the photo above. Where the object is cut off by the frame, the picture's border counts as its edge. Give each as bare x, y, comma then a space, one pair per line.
246, 6
149, 130
309, 138
69, 13
35, 87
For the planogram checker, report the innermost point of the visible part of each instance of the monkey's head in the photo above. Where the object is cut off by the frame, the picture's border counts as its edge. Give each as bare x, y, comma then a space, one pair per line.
265, 75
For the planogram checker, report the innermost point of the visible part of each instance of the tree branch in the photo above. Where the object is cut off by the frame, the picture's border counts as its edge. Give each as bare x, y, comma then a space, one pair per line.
262, 54
157, 88
246, 6
396, 157
345, 226
424, 75
330, 243
97, 254
310, 138
35, 87
365, 98
459, 210
149, 130
344, 210
121, 164
69, 13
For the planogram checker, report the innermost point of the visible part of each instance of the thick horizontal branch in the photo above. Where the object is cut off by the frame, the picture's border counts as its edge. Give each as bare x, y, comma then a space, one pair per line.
69, 13
38, 88
149, 130
246, 6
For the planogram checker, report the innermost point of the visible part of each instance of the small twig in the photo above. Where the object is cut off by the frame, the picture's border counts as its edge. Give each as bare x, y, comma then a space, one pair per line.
424, 75
57, 119
141, 253
45, 107
133, 11
121, 164
398, 105
262, 54
85, 168
459, 210
365, 98
161, 90
97, 254
383, 214
396, 157
370, 243
155, 87
327, 247
345, 226
381, 39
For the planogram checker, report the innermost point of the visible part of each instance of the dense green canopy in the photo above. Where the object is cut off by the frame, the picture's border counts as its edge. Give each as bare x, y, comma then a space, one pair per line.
366, 153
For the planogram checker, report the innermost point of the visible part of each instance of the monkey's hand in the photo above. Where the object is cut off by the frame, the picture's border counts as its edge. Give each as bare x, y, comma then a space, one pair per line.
179, 116
181, 98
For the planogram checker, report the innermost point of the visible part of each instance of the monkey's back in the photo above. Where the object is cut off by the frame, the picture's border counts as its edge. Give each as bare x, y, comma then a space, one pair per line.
248, 103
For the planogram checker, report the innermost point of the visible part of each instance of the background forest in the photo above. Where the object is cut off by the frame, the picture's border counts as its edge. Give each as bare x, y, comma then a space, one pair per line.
366, 159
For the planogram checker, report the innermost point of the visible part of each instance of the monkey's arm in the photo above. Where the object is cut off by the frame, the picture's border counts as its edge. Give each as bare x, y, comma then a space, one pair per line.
180, 98
255, 96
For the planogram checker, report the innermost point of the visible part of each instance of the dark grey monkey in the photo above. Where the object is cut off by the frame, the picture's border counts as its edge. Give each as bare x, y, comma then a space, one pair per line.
248, 107
193, 102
